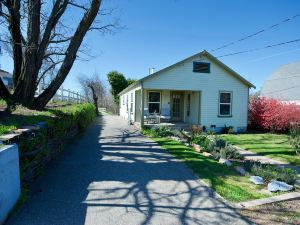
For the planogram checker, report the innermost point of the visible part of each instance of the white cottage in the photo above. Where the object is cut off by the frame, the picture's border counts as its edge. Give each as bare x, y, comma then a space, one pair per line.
197, 90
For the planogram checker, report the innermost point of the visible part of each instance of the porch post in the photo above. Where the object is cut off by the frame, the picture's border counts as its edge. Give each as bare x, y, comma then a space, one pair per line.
142, 105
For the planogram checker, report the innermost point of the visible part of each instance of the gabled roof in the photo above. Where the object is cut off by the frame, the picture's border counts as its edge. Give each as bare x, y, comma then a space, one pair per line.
283, 83
202, 53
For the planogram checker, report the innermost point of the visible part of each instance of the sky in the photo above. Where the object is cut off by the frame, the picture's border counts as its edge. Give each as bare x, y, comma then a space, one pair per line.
158, 33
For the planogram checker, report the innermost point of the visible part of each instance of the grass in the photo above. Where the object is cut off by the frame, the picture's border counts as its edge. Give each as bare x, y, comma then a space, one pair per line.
272, 145
224, 180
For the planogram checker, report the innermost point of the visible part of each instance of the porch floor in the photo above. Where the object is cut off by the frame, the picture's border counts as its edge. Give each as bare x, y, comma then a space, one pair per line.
171, 125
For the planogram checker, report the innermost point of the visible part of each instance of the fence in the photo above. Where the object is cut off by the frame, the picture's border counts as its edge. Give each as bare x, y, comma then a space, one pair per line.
66, 95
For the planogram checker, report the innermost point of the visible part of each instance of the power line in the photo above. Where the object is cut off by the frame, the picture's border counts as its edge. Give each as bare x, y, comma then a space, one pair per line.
256, 33
257, 49
280, 90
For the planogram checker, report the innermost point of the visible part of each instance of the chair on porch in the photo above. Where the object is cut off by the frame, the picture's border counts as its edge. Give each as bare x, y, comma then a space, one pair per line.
165, 115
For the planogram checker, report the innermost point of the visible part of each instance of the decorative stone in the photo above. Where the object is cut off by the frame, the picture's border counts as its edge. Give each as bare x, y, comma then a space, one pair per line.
197, 148
8, 137
297, 183
279, 186
228, 162
257, 180
20, 131
206, 154
225, 161
31, 127
240, 170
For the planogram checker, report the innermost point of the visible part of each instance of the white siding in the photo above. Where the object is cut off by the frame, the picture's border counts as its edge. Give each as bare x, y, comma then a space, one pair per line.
182, 77
125, 105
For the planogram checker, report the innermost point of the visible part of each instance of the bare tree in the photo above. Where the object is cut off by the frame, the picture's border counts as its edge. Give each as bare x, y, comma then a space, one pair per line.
94, 90
44, 38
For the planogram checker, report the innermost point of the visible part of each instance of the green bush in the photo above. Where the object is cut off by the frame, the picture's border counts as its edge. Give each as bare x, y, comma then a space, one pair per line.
157, 131
230, 152
294, 137
227, 130
210, 145
270, 172
199, 139
221, 143
75, 116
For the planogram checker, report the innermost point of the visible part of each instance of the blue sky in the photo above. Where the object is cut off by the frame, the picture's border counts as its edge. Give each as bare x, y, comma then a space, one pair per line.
158, 33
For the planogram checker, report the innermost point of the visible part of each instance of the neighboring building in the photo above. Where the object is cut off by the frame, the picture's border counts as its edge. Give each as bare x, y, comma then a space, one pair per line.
197, 90
6, 78
284, 84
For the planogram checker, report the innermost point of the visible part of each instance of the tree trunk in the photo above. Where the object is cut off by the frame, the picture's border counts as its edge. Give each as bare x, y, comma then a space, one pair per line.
95, 98
28, 57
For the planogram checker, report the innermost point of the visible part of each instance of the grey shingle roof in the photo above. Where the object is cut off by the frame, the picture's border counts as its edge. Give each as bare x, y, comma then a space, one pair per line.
284, 83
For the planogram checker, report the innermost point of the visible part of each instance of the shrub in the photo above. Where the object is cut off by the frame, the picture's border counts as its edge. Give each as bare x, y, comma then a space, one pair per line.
210, 146
230, 152
198, 139
157, 131
221, 143
294, 137
215, 154
271, 172
271, 114
227, 130
196, 129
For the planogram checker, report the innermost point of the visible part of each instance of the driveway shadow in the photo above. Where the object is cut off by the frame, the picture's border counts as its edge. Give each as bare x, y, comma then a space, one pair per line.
113, 175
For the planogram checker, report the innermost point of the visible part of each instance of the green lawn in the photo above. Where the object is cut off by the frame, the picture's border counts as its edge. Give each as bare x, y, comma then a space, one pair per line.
221, 178
272, 145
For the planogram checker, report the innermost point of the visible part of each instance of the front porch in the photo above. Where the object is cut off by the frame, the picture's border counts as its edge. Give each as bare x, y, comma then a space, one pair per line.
173, 108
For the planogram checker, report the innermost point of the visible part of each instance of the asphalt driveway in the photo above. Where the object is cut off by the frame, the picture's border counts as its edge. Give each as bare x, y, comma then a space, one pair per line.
113, 175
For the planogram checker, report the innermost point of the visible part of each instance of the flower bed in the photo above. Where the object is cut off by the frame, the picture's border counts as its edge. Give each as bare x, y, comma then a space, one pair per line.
217, 149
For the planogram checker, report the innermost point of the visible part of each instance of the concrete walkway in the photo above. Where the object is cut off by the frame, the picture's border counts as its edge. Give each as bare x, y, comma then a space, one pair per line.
113, 175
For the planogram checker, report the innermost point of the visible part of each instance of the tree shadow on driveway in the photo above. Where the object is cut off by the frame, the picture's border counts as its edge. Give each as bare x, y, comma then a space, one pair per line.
113, 175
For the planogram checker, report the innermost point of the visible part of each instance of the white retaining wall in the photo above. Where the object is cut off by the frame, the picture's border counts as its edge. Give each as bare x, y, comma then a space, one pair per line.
10, 188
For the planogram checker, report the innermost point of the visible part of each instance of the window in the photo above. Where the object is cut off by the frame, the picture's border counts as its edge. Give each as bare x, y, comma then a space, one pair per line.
154, 102
201, 67
123, 100
225, 99
131, 102
188, 110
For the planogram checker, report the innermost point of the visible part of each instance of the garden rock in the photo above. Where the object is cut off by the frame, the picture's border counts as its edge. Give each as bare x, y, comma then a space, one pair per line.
206, 154
225, 161
297, 183
256, 180
279, 186
240, 170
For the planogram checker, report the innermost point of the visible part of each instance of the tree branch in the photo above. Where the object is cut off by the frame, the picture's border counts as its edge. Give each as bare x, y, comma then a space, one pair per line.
72, 49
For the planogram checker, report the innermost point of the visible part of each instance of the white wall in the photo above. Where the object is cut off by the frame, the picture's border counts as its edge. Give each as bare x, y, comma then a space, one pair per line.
182, 77
125, 105
10, 189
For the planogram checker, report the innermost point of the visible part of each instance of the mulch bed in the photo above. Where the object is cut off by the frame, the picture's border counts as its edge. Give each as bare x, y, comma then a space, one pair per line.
280, 213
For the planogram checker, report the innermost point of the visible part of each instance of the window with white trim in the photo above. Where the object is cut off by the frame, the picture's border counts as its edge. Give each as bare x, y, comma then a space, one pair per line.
154, 101
225, 103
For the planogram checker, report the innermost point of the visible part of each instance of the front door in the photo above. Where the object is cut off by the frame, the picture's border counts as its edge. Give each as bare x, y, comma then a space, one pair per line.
176, 106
